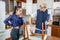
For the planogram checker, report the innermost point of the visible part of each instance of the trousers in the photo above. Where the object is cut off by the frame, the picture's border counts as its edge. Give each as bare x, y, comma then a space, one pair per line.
15, 34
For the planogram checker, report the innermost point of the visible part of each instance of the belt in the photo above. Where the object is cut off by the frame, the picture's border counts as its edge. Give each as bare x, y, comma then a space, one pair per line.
16, 27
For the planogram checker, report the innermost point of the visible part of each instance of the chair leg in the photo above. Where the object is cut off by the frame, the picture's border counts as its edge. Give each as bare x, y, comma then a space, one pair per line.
42, 37
43, 31
26, 37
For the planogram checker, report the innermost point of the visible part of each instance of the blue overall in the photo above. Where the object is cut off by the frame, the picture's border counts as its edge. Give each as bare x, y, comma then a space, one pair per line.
41, 18
14, 22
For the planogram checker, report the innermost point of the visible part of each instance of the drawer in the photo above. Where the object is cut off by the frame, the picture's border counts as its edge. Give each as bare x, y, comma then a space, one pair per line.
56, 31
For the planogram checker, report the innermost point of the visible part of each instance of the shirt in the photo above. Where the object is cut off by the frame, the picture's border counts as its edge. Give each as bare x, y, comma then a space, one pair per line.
41, 18
14, 20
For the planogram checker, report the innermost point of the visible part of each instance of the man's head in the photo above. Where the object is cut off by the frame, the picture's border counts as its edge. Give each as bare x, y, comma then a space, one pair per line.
43, 7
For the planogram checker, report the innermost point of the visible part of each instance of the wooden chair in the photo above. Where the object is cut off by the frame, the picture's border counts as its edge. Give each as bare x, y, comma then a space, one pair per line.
34, 34
26, 37
8, 38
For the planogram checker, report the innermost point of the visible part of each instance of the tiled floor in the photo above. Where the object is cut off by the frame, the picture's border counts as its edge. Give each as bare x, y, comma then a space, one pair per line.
35, 38
39, 38
53, 38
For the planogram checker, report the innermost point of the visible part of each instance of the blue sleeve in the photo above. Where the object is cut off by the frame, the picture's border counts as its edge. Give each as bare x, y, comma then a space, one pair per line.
7, 20
21, 21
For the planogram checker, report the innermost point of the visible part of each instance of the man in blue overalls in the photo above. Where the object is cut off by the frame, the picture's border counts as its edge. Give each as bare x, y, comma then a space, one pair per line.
42, 17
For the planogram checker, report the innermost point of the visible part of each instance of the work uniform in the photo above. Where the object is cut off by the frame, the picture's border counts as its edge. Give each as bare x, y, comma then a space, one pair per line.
42, 17
16, 22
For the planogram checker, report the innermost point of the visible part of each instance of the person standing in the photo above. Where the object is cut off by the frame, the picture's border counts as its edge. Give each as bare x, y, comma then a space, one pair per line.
16, 21
42, 17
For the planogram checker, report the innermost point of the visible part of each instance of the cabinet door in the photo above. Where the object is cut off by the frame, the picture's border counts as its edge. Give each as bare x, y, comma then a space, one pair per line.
54, 31
58, 32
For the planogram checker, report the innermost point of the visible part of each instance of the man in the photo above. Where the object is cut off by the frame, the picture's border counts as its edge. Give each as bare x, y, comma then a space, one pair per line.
42, 17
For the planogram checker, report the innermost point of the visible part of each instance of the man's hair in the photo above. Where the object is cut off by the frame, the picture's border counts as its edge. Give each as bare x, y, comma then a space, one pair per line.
44, 5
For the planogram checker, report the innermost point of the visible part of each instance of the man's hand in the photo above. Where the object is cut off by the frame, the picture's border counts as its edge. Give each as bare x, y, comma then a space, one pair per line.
48, 22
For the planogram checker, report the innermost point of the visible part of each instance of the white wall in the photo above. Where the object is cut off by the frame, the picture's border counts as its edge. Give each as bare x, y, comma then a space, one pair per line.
23, 5
2, 18
56, 4
48, 2
29, 7
15, 4
2, 14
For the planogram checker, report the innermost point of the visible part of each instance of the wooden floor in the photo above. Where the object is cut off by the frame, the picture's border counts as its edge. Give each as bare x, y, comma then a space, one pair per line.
49, 38
53, 38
